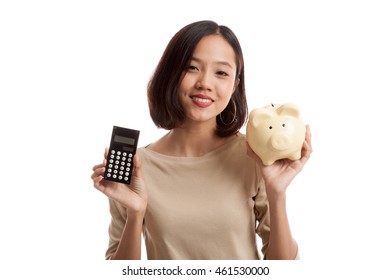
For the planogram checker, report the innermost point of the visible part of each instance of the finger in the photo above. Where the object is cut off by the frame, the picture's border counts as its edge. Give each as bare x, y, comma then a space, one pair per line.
308, 134
97, 166
97, 185
308, 140
306, 151
96, 180
98, 172
137, 161
137, 165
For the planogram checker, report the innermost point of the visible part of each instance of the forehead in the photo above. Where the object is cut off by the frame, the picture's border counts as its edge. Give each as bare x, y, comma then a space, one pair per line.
215, 48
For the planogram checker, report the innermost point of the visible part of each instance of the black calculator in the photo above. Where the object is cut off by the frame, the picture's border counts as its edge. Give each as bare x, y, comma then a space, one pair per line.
123, 147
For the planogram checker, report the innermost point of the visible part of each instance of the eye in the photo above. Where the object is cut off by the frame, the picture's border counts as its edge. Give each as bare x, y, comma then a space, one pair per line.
284, 125
270, 127
222, 73
193, 68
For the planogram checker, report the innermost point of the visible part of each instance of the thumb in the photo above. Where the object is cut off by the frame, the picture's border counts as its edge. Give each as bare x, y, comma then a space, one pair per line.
137, 168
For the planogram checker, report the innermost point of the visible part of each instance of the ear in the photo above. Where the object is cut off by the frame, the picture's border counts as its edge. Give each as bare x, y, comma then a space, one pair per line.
289, 109
258, 115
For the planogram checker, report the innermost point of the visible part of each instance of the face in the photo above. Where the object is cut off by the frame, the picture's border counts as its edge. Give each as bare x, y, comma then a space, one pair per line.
209, 81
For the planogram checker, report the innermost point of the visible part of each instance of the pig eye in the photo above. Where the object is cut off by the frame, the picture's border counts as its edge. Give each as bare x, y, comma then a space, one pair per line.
270, 127
284, 125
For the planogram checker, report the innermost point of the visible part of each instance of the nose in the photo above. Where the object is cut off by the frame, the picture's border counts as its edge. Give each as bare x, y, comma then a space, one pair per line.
203, 82
280, 142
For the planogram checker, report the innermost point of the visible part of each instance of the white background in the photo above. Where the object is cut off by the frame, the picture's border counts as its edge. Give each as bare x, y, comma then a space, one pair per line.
70, 70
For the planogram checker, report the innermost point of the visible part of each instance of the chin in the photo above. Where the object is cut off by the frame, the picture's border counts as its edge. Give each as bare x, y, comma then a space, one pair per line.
202, 119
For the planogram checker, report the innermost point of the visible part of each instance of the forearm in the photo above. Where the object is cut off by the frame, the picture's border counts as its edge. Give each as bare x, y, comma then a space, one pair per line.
129, 247
282, 245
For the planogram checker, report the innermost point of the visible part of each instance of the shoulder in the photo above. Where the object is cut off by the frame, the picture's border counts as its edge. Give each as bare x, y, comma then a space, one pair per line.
143, 152
238, 144
241, 138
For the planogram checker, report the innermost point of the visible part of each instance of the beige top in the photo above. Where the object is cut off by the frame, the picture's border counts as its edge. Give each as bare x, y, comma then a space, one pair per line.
208, 207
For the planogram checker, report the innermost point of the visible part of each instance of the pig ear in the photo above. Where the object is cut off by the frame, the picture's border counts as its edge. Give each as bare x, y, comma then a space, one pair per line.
258, 115
289, 109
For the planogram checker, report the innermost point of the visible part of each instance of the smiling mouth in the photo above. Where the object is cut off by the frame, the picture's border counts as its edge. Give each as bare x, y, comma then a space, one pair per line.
203, 100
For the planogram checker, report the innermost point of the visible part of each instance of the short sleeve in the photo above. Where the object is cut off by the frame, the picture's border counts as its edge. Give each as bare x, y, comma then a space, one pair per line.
118, 220
262, 216
263, 219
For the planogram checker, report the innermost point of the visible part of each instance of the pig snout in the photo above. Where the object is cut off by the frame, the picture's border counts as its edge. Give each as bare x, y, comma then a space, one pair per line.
280, 141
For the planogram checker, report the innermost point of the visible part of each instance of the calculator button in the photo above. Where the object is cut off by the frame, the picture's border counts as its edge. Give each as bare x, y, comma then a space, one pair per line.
126, 178
130, 155
120, 177
124, 154
112, 152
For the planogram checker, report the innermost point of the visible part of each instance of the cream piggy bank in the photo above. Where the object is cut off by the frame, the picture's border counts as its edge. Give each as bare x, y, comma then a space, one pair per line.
276, 132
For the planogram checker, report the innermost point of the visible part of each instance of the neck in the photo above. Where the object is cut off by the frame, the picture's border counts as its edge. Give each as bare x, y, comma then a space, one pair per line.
193, 140
190, 140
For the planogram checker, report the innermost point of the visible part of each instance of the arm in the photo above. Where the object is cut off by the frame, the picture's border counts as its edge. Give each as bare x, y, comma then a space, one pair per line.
129, 247
277, 177
281, 245
126, 225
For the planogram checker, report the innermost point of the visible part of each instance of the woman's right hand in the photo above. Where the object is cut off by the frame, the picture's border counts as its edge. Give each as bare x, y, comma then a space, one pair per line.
133, 197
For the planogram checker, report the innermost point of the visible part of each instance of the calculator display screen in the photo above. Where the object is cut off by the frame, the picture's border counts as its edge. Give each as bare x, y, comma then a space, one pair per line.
124, 140
128, 149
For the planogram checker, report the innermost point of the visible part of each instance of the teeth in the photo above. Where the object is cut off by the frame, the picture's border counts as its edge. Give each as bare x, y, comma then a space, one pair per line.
202, 100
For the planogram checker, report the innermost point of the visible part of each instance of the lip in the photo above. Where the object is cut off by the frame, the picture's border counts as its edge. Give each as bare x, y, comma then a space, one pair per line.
202, 101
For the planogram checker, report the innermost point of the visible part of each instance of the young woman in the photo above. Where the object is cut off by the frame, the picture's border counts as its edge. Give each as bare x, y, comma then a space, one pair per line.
201, 192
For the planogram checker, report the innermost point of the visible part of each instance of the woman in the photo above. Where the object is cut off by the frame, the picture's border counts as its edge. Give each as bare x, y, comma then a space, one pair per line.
201, 192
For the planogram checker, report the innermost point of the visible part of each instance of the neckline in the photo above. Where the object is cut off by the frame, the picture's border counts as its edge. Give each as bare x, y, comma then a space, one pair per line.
217, 150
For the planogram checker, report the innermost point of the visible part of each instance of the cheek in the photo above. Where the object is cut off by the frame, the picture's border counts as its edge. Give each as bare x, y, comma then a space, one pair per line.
226, 90
186, 83
183, 88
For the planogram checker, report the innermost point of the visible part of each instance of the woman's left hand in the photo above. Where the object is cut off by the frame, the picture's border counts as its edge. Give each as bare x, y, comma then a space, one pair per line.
279, 175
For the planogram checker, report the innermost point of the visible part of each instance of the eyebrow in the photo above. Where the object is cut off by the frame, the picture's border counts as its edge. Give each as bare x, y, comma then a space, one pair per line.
220, 62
